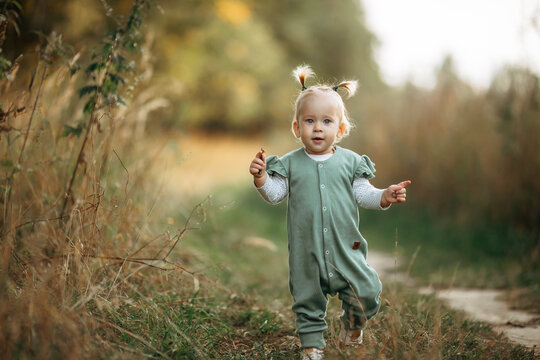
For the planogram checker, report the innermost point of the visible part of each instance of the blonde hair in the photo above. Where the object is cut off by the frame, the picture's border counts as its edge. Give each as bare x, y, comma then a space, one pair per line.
301, 73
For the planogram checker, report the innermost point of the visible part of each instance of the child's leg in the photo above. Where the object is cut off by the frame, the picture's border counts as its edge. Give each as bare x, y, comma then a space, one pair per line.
310, 303
358, 307
354, 313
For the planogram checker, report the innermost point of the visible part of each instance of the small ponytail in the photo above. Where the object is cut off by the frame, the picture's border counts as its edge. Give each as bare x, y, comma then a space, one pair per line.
349, 85
301, 73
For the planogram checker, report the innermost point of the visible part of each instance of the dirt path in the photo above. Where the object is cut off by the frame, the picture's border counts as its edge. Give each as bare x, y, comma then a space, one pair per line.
479, 304
485, 305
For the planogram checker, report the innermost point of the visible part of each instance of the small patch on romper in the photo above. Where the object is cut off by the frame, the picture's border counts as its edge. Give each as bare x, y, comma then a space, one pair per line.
356, 245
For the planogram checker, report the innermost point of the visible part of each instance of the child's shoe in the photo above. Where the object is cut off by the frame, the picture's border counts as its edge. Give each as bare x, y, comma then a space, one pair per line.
350, 338
312, 353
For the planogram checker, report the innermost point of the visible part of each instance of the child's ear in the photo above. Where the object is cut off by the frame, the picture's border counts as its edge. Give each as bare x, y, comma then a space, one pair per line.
342, 129
296, 129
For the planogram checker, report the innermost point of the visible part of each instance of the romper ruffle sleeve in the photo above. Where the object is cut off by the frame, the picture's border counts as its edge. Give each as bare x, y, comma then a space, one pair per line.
364, 168
275, 166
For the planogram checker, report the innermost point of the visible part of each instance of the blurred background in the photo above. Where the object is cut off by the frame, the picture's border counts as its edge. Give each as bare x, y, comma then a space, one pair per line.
118, 117
216, 80
220, 70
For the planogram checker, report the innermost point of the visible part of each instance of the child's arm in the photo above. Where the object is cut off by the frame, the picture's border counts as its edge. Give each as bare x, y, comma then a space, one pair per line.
258, 169
274, 188
367, 195
394, 194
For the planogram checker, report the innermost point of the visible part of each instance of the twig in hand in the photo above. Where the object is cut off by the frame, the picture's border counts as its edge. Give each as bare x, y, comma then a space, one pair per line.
262, 152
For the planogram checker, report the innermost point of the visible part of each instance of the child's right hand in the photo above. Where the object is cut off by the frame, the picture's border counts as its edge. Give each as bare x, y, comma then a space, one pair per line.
258, 168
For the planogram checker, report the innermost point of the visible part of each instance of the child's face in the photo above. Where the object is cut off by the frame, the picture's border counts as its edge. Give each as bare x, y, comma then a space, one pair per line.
318, 123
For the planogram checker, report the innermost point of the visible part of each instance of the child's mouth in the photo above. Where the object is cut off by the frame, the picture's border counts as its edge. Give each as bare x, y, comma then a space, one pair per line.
318, 139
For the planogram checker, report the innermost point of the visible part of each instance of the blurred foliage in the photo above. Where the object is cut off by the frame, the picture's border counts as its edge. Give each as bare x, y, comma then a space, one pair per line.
233, 58
225, 64
9, 18
473, 155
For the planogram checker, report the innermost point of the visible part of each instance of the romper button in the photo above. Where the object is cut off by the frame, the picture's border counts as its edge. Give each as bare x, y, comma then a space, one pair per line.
322, 186
330, 274
324, 208
327, 252
320, 165
325, 229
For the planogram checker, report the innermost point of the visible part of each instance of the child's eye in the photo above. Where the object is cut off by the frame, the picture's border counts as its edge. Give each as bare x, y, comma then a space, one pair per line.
327, 121
310, 121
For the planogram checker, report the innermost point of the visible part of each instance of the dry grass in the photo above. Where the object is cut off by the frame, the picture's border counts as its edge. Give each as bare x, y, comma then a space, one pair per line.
64, 273
472, 156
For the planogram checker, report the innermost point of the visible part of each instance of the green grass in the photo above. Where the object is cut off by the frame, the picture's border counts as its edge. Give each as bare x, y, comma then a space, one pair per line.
409, 326
202, 328
222, 244
438, 252
245, 313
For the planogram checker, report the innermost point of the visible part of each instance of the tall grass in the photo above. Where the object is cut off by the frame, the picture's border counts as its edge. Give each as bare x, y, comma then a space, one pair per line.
472, 156
78, 239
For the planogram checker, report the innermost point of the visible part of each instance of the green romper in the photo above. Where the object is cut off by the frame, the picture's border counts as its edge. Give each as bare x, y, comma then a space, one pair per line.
327, 253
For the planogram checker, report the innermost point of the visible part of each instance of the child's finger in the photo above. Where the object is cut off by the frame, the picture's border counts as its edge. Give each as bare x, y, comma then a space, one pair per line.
404, 183
256, 170
261, 155
253, 170
262, 160
257, 165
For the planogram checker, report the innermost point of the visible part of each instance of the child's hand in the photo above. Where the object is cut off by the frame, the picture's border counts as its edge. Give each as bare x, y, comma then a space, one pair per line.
395, 194
258, 168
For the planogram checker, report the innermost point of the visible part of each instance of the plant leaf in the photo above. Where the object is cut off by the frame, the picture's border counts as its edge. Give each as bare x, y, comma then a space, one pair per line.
87, 90
70, 130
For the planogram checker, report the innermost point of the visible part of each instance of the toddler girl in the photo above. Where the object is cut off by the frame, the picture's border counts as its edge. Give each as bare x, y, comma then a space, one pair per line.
325, 184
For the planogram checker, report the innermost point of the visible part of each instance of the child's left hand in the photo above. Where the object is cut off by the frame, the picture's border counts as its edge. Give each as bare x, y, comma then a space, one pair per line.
395, 194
